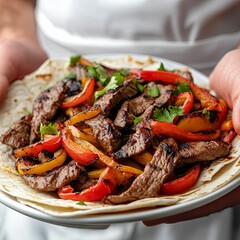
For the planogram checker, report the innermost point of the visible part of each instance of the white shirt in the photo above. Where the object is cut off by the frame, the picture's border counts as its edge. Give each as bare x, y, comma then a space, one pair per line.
195, 32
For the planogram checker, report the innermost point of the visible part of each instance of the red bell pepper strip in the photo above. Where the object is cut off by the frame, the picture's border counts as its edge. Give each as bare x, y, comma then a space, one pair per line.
171, 130
207, 100
228, 136
76, 151
185, 100
182, 184
84, 95
50, 143
105, 185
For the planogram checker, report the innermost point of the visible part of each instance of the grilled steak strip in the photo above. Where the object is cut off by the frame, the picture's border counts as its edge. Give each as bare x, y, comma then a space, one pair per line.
166, 92
140, 140
18, 135
203, 151
137, 143
106, 133
113, 98
58, 177
135, 106
45, 107
149, 183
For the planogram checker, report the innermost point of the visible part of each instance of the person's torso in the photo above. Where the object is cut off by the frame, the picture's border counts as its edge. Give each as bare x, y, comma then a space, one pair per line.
195, 32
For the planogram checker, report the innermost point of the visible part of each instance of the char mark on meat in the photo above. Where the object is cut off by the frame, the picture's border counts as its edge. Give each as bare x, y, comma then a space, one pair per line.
137, 143
155, 173
18, 135
113, 98
57, 178
135, 106
45, 107
140, 140
105, 132
203, 151
131, 107
166, 93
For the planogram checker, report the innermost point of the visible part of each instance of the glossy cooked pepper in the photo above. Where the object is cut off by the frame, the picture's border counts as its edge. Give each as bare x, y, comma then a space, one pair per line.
207, 100
50, 143
83, 96
182, 184
76, 151
105, 185
106, 160
82, 116
185, 101
171, 130
197, 122
24, 166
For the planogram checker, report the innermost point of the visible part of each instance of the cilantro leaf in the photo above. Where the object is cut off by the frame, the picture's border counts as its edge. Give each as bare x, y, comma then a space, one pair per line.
206, 113
48, 129
153, 91
97, 71
140, 87
116, 80
136, 120
81, 203
167, 114
70, 75
74, 60
124, 72
162, 68
182, 87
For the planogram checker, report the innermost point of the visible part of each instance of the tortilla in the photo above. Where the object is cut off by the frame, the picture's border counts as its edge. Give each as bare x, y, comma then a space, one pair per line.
19, 102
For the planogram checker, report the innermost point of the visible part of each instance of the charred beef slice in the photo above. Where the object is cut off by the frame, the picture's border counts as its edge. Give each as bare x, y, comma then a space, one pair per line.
203, 151
113, 98
58, 177
18, 135
105, 132
149, 183
137, 142
45, 107
138, 105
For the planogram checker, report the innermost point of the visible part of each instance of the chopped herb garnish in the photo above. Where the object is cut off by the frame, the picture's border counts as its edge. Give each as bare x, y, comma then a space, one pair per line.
97, 71
139, 86
153, 91
124, 72
48, 129
206, 113
136, 120
168, 114
162, 68
74, 60
70, 75
182, 87
116, 80
81, 203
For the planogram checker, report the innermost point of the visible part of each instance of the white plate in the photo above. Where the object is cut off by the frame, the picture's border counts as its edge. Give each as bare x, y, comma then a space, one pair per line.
103, 220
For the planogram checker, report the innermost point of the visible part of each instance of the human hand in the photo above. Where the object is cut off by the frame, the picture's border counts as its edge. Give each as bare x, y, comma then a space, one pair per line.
18, 58
225, 81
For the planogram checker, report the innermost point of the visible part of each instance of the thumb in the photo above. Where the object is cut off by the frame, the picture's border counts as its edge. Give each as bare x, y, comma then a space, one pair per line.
225, 81
4, 84
236, 115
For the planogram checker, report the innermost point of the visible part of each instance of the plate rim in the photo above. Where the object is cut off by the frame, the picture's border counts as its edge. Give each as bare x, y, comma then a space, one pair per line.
101, 220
